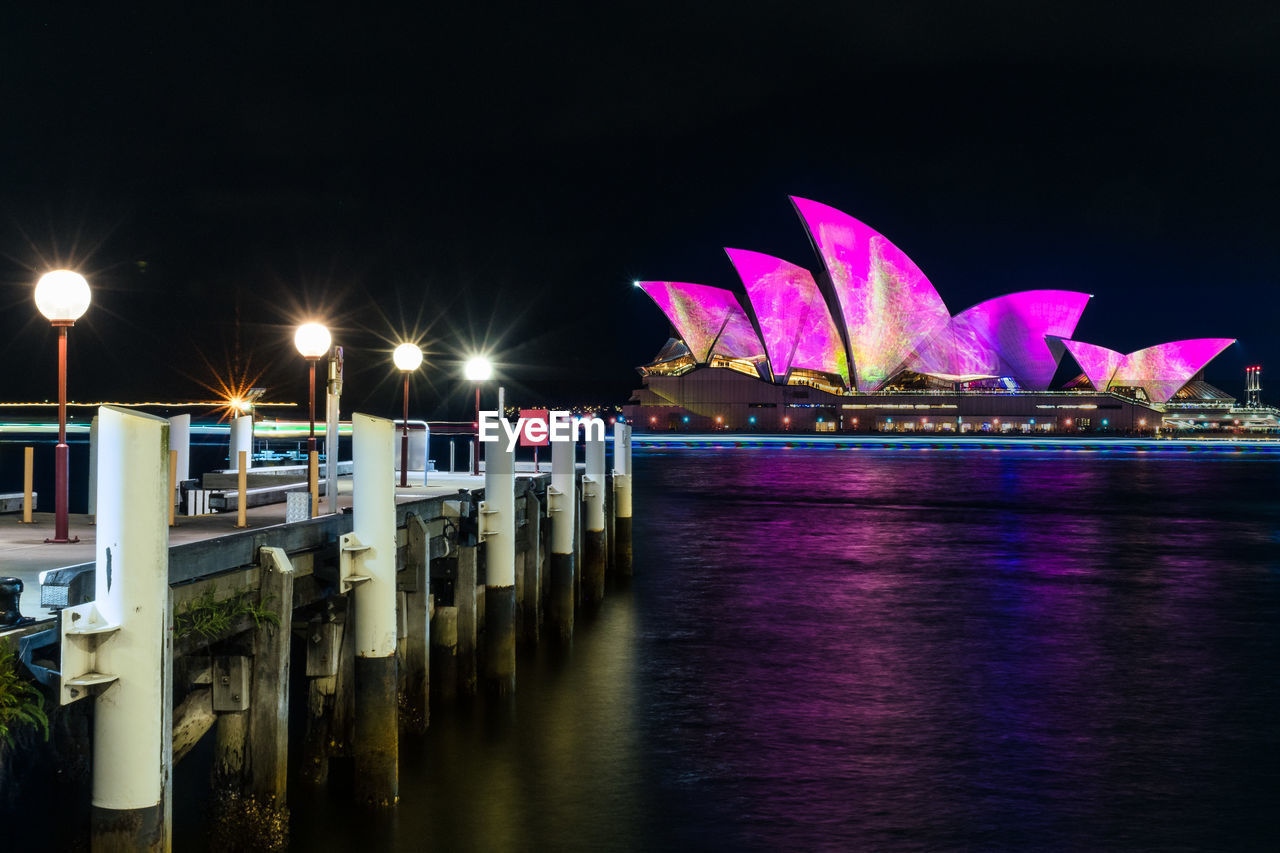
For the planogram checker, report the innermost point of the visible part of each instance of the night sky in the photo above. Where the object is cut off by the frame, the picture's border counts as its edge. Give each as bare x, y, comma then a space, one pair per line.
476, 175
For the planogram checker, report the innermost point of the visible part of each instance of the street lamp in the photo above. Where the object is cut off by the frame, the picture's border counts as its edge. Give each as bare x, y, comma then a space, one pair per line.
408, 357
62, 296
312, 341
478, 369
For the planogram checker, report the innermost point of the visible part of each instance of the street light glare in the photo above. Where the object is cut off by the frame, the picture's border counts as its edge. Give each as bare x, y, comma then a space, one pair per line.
407, 357
479, 368
62, 296
312, 340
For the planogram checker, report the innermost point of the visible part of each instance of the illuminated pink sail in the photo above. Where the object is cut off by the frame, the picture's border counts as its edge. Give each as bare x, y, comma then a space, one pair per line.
708, 319
1163, 369
1160, 371
889, 307
1098, 363
795, 324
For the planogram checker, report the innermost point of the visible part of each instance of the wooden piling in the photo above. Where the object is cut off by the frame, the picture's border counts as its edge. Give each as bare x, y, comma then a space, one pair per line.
531, 565
464, 599
444, 654
269, 708
324, 648
415, 681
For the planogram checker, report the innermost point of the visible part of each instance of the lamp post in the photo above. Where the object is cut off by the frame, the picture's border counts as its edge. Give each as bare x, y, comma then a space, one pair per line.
478, 369
62, 296
408, 357
312, 341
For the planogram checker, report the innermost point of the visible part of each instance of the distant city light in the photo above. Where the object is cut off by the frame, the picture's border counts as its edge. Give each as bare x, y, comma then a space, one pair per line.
752, 419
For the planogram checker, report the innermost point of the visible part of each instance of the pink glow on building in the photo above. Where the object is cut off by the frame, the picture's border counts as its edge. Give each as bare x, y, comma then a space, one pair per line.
708, 319
888, 304
794, 321
1163, 369
1160, 371
1098, 363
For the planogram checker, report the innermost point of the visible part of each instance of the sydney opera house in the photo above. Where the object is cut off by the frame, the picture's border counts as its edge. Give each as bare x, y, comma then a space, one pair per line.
865, 343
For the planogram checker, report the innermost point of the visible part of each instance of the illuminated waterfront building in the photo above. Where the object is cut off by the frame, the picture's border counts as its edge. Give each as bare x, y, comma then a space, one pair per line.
866, 343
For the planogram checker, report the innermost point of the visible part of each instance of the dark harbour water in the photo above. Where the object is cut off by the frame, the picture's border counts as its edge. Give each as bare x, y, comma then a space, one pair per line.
884, 650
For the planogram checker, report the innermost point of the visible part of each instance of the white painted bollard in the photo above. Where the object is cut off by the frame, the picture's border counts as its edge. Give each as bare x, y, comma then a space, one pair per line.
369, 566
132, 718
426, 451
498, 529
622, 497
241, 439
594, 553
333, 394
561, 500
180, 442
93, 469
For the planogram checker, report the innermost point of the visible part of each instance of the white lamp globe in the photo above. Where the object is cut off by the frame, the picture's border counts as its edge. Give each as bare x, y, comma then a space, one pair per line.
478, 369
407, 357
62, 296
312, 340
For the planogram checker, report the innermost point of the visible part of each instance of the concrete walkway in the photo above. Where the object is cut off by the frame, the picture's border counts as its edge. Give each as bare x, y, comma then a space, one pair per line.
24, 553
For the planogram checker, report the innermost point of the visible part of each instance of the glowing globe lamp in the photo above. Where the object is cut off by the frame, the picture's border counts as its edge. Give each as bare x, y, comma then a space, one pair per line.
312, 340
62, 296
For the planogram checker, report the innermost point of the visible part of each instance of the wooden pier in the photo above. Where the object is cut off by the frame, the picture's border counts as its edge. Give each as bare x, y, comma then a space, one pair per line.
247, 608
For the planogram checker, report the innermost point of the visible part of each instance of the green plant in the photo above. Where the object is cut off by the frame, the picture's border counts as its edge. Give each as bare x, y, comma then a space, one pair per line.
209, 618
20, 701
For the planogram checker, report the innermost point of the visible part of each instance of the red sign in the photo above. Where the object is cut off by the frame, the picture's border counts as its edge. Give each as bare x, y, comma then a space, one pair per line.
542, 436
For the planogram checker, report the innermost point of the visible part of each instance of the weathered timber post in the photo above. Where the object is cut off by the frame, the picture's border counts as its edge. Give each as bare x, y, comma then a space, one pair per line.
444, 653
324, 645
464, 599
415, 683
594, 554
132, 761
241, 438
498, 527
561, 510
622, 499
269, 691
532, 603
376, 741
